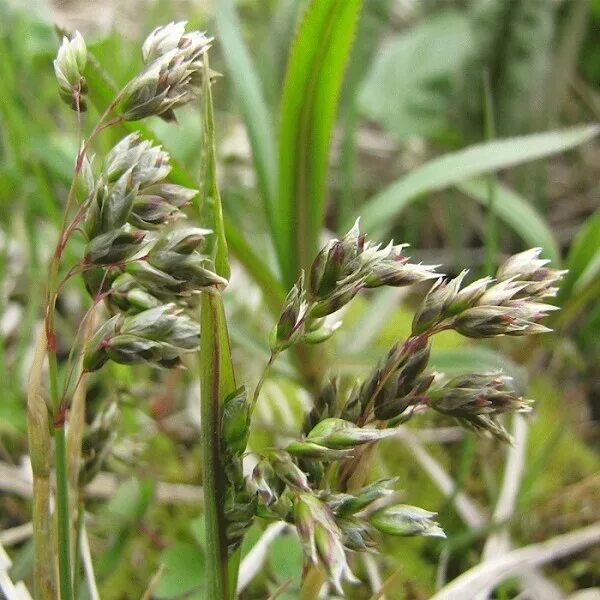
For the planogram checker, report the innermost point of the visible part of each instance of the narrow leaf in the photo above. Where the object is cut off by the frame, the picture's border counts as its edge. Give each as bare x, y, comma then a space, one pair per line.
456, 167
583, 255
310, 96
250, 98
212, 207
517, 213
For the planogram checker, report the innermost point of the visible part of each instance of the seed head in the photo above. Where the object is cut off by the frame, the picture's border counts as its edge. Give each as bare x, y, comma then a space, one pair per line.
69, 66
286, 470
437, 303
321, 538
405, 520
476, 398
173, 73
261, 482
522, 265
356, 534
338, 434
114, 246
366, 496
288, 329
148, 164
392, 268
492, 321
127, 295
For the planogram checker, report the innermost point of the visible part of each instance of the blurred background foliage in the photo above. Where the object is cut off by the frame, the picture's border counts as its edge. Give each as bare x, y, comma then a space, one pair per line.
424, 79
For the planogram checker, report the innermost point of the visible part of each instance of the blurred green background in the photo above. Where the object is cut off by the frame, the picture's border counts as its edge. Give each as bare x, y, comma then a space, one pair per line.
424, 79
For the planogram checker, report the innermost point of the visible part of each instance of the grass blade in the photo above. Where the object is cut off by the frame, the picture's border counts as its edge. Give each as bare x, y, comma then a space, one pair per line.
310, 96
517, 213
456, 167
211, 199
250, 100
584, 252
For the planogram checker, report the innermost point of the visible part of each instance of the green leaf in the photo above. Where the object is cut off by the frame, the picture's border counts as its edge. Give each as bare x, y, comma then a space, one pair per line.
285, 558
250, 98
211, 206
456, 167
183, 571
407, 88
517, 213
584, 256
310, 96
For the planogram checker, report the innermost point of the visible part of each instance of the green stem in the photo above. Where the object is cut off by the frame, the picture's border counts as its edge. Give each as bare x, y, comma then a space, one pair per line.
212, 384
62, 504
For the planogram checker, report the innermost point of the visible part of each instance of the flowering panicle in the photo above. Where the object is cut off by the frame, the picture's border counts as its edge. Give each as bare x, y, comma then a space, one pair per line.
511, 304
322, 538
395, 384
159, 335
145, 266
340, 270
476, 399
173, 73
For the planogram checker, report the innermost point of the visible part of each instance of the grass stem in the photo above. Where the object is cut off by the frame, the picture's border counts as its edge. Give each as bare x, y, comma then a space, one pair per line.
62, 504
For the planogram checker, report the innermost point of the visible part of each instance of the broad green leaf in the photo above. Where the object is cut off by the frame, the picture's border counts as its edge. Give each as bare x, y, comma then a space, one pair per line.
456, 167
583, 257
407, 88
517, 213
310, 96
250, 100
183, 571
285, 558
